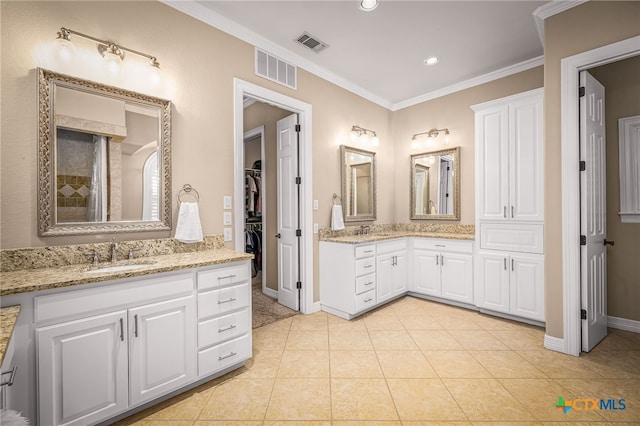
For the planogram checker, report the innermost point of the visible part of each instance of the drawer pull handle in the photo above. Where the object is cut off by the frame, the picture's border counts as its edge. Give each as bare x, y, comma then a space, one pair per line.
220, 358
367, 300
9, 381
441, 245
220, 302
368, 251
368, 266
369, 283
222, 330
228, 276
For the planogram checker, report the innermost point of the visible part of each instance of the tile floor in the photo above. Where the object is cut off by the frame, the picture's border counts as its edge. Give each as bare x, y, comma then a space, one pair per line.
411, 362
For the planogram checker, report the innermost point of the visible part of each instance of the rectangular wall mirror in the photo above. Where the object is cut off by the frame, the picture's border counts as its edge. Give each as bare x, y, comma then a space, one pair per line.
104, 158
358, 184
435, 185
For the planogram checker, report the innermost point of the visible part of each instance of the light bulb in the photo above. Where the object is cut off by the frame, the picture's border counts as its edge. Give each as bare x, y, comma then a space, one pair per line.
414, 143
65, 49
113, 62
154, 75
375, 141
354, 135
368, 5
364, 138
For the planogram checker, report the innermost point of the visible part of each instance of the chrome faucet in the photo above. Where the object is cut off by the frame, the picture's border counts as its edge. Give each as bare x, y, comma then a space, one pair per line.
114, 250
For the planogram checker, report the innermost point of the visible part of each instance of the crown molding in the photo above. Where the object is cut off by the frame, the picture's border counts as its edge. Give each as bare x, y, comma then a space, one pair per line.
552, 8
206, 15
494, 75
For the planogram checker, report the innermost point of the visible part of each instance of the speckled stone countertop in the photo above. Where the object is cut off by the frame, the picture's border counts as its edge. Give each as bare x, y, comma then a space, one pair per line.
8, 318
28, 280
390, 231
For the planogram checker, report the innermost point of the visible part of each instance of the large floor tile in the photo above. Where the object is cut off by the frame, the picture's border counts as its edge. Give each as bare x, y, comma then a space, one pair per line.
315, 321
456, 364
558, 365
367, 423
405, 364
486, 400
300, 399
349, 340
392, 340
227, 423
337, 323
435, 340
381, 322
613, 364
619, 340
520, 340
507, 364
361, 399
424, 399
269, 340
301, 364
477, 340
297, 423
239, 399
419, 322
308, 340
187, 408
355, 364
263, 364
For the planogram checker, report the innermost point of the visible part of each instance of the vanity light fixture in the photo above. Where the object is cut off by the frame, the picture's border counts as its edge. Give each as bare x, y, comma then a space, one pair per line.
113, 53
431, 135
368, 5
362, 134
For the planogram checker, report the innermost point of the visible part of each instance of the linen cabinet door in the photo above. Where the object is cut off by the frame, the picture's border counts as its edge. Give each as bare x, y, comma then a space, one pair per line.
527, 286
426, 272
82, 370
162, 347
457, 277
492, 292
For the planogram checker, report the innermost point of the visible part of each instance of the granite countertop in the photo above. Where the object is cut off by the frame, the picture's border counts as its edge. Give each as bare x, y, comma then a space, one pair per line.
28, 280
357, 239
8, 318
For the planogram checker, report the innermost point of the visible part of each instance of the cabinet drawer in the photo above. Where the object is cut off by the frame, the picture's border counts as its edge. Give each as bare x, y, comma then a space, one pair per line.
224, 355
223, 276
222, 328
365, 266
222, 300
365, 251
527, 238
392, 246
366, 283
365, 300
443, 245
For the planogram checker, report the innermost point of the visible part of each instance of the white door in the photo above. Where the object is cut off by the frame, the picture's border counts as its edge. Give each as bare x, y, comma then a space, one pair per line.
82, 370
493, 289
163, 348
426, 270
492, 132
457, 276
400, 273
526, 290
287, 212
593, 218
384, 280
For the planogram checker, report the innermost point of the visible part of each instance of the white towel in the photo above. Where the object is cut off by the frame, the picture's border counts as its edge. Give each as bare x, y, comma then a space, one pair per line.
337, 222
188, 228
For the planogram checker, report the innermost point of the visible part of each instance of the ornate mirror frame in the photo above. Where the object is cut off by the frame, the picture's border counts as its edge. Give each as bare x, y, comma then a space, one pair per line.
346, 194
456, 186
47, 224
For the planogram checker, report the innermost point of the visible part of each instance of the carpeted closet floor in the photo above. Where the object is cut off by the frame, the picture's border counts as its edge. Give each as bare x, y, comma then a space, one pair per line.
267, 310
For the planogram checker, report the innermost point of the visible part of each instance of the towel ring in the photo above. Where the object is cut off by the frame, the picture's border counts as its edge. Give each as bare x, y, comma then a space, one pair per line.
336, 197
188, 190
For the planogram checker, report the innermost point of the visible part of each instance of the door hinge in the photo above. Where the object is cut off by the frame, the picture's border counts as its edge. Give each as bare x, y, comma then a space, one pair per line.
583, 166
583, 240
298, 128
298, 180
299, 284
298, 232
583, 314
581, 91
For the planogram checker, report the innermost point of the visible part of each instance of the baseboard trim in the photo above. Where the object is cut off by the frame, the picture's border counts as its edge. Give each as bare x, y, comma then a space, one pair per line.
270, 292
623, 324
554, 343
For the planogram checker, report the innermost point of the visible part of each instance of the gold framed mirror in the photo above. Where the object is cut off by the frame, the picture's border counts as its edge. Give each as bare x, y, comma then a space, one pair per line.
358, 173
435, 185
104, 158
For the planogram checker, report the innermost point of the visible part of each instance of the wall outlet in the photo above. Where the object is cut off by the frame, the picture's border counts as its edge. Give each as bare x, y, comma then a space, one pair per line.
226, 218
315, 228
228, 235
227, 202
315, 204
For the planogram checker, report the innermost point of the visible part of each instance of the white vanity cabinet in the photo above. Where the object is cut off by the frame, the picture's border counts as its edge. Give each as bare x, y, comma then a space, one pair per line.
511, 284
391, 269
443, 268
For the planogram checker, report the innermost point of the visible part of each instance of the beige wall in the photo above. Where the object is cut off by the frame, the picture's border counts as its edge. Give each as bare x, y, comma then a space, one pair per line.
453, 112
261, 114
622, 99
580, 29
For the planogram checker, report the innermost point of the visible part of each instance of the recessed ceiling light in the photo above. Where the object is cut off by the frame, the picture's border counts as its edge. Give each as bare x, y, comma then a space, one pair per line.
432, 60
368, 5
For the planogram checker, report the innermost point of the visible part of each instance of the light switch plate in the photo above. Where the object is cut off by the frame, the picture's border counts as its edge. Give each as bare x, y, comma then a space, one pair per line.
226, 218
227, 202
315, 228
228, 235
315, 204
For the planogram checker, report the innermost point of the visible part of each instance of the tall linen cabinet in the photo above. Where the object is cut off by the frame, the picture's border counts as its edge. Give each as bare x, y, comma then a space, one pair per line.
510, 206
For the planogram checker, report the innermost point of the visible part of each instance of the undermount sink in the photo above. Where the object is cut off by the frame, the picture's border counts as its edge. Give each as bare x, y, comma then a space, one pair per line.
118, 268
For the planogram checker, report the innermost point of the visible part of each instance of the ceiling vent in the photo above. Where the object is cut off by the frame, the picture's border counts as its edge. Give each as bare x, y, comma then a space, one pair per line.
275, 69
311, 42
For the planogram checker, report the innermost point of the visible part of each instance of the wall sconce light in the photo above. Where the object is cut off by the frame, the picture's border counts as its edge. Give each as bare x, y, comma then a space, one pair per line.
361, 134
431, 135
111, 52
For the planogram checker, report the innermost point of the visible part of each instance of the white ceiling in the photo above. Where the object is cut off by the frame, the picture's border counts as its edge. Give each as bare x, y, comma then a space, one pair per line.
380, 54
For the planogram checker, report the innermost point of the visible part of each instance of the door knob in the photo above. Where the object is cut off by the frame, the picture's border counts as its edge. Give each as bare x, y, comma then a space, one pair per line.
278, 236
607, 242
